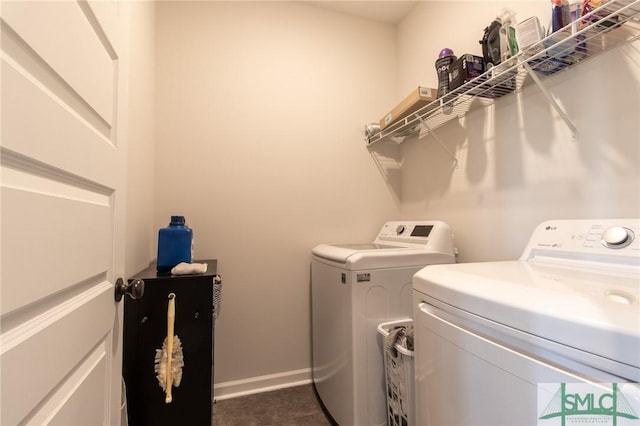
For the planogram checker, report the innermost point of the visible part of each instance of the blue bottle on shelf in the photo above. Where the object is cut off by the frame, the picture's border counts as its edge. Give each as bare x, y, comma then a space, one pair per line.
174, 244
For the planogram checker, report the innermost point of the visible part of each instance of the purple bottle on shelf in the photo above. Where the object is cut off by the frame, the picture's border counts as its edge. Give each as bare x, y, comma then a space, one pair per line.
445, 59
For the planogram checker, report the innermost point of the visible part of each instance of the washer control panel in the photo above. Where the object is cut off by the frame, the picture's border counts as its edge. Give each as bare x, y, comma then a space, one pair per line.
598, 237
407, 231
432, 235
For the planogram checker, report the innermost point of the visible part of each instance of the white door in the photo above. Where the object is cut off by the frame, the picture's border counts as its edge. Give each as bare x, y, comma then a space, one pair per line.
63, 155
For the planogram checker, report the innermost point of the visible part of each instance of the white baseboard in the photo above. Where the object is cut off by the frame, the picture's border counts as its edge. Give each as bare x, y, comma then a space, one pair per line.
251, 385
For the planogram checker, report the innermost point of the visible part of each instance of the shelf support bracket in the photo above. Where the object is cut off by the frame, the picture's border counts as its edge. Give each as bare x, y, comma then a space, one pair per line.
437, 139
551, 100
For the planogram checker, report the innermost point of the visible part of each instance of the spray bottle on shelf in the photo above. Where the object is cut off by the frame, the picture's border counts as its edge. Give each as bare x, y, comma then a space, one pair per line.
445, 59
508, 43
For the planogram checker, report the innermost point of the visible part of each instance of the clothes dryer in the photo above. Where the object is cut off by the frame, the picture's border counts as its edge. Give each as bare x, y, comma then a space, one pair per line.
355, 287
520, 342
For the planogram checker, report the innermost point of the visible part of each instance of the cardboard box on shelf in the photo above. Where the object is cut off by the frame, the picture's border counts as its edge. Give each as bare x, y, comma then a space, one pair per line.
416, 100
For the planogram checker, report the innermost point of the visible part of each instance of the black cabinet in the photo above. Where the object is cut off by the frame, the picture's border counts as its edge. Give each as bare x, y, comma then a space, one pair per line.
145, 328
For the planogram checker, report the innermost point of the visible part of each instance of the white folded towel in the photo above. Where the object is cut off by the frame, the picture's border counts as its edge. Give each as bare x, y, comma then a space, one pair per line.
185, 268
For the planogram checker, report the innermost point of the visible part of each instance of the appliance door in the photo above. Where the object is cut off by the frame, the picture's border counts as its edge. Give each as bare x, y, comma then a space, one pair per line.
470, 373
332, 336
347, 307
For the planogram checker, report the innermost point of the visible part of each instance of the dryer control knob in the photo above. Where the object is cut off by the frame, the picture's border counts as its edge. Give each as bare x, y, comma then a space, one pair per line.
617, 237
399, 229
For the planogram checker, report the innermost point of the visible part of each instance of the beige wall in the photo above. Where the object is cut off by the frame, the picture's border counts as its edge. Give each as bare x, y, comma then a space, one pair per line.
140, 233
518, 164
260, 113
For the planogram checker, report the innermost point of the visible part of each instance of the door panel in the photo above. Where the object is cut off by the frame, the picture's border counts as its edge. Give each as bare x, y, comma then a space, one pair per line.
48, 347
78, 406
47, 120
104, 17
71, 250
62, 165
69, 45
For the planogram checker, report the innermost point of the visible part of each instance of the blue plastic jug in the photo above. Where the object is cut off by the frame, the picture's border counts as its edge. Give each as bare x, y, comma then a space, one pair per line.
174, 244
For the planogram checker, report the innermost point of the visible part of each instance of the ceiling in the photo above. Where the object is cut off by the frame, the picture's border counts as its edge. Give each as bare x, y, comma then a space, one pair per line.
382, 11
387, 11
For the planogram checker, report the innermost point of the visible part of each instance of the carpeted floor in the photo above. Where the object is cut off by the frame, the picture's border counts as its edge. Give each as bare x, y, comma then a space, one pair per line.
295, 406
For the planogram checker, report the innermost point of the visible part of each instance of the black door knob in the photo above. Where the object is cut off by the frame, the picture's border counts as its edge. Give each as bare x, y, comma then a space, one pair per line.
135, 289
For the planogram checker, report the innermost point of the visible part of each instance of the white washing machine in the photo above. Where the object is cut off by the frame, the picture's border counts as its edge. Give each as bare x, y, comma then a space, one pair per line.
488, 334
355, 287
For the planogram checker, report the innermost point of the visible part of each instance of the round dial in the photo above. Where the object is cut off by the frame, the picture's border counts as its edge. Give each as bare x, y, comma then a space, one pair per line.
617, 237
400, 229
